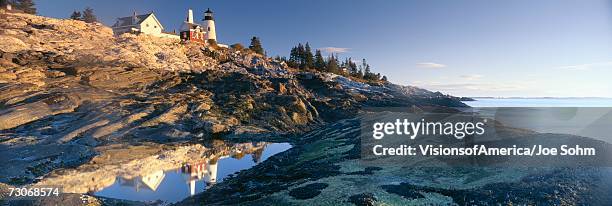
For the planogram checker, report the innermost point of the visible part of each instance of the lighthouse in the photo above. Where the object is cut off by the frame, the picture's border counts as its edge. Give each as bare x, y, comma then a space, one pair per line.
209, 25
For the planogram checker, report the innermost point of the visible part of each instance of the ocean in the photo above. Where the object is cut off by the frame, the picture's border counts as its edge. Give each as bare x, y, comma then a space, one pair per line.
540, 102
587, 117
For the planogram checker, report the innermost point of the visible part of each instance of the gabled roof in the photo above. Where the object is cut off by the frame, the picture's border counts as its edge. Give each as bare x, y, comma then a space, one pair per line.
188, 26
127, 21
192, 25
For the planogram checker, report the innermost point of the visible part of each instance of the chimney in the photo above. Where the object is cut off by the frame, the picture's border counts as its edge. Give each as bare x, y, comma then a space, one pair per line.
190, 16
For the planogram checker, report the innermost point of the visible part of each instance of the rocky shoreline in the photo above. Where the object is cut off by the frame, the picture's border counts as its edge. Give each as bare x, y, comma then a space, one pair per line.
72, 91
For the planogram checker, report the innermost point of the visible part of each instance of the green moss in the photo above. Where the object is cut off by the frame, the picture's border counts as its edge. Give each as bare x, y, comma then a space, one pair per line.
19, 180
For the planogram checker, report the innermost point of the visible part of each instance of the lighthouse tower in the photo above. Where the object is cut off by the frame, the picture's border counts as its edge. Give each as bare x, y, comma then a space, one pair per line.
209, 25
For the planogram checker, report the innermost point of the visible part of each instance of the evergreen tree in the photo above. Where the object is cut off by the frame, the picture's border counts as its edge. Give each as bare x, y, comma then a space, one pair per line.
27, 6
384, 78
332, 64
280, 58
300, 56
256, 46
367, 73
308, 57
89, 16
319, 62
76, 15
351, 67
293, 58
297, 57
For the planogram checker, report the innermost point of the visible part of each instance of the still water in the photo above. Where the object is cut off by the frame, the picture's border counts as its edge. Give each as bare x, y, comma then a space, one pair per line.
190, 178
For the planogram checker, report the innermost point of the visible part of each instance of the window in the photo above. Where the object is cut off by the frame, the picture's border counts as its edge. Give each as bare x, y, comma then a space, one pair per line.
208, 28
147, 25
155, 27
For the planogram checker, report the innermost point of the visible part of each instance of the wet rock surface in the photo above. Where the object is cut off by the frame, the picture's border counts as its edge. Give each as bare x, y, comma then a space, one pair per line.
307, 191
331, 157
364, 199
557, 187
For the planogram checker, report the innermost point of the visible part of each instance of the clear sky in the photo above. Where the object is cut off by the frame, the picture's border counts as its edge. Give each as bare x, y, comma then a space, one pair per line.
558, 48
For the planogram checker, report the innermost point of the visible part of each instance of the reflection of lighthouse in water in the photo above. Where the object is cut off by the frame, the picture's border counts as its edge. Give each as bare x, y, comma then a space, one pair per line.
203, 170
211, 178
206, 170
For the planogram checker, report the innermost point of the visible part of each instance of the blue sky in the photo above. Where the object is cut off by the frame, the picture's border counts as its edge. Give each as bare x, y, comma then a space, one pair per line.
559, 48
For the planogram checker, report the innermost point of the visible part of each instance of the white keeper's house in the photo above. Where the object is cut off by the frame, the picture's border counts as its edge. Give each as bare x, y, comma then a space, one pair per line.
142, 24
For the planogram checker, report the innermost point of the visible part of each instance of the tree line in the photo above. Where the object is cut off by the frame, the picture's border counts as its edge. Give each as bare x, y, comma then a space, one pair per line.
301, 57
87, 15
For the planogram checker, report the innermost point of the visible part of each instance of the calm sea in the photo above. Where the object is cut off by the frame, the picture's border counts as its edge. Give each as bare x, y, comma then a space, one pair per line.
541, 102
587, 117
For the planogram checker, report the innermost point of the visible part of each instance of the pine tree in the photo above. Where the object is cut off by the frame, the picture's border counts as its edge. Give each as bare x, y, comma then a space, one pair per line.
300, 56
27, 6
280, 58
319, 62
384, 78
308, 57
256, 46
89, 16
293, 58
352, 67
332, 64
367, 74
76, 15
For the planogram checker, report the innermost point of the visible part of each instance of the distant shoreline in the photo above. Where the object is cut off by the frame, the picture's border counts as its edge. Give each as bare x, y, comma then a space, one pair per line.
540, 98
540, 102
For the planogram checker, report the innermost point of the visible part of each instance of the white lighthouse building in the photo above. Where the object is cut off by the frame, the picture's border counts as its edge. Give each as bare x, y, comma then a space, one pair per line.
209, 24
